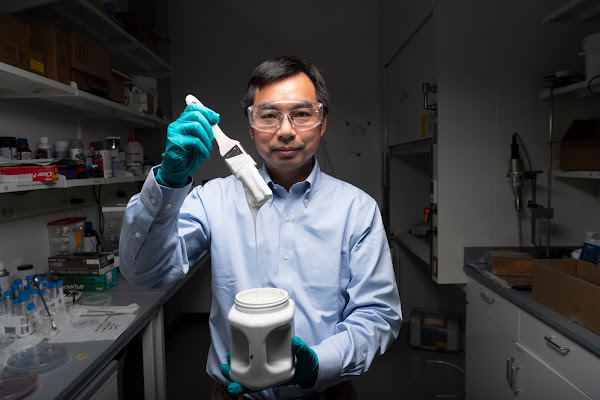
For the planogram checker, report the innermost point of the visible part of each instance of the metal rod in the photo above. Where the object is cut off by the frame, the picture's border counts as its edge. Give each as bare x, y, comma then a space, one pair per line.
37, 285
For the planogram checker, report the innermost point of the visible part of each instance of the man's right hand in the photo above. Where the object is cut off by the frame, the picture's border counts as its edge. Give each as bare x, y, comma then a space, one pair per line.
189, 143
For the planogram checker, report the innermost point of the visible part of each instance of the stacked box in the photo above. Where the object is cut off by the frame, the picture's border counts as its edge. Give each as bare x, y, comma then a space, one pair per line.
92, 283
81, 263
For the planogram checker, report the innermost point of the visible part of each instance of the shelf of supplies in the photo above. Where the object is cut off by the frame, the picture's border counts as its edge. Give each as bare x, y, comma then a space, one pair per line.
415, 245
20, 85
579, 89
577, 174
575, 11
128, 54
61, 183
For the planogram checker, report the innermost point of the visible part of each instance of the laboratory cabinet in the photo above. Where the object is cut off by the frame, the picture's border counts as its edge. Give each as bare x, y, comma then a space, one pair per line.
508, 357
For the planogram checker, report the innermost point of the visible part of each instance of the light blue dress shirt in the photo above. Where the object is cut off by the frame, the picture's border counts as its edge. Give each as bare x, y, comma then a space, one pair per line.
323, 242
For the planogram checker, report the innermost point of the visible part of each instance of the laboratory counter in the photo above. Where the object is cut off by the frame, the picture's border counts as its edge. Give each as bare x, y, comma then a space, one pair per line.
475, 265
88, 359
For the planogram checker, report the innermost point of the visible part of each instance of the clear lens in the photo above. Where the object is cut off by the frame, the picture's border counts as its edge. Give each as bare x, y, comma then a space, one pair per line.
303, 115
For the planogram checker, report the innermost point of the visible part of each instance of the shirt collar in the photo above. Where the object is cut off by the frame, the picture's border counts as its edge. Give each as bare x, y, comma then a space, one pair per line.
310, 182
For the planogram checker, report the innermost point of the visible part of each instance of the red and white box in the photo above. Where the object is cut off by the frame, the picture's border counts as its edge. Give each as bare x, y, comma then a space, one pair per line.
29, 173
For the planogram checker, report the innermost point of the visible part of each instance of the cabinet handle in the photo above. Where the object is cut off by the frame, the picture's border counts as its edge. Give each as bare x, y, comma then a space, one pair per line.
513, 380
557, 347
509, 362
487, 298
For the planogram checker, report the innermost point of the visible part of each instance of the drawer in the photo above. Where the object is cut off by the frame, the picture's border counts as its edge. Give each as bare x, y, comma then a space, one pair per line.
494, 306
573, 362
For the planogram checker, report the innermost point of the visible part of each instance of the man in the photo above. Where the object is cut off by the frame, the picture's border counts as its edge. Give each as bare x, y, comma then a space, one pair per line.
320, 239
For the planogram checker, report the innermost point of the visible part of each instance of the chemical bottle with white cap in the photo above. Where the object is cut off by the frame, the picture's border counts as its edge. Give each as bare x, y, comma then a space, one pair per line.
4, 277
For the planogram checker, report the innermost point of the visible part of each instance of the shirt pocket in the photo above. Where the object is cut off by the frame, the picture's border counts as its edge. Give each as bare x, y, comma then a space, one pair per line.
323, 287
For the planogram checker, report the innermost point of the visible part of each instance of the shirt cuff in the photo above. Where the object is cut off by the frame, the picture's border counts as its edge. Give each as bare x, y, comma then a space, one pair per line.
330, 365
161, 199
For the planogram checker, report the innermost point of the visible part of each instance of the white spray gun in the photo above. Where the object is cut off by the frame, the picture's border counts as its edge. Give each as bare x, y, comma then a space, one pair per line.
241, 165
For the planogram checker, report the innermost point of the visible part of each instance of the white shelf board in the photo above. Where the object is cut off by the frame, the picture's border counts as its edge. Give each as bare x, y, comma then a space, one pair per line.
416, 246
575, 11
579, 89
129, 55
20, 85
577, 174
62, 183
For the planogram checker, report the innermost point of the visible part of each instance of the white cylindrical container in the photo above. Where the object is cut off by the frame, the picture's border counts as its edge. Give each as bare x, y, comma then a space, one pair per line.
61, 148
591, 51
134, 152
44, 148
261, 329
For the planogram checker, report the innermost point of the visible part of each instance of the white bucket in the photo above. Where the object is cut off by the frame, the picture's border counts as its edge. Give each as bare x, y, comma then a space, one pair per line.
591, 51
261, 330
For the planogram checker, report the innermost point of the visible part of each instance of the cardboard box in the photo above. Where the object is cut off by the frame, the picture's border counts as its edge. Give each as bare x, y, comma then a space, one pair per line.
37, 62
570, 287
510, 263
89, 57
580, 147
54, 43
14, 42
29, 173
89, 83
86, 263
93, 283
116, 86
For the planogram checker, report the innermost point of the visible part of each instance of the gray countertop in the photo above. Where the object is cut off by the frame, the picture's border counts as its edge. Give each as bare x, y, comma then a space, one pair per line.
70, 378
475, 256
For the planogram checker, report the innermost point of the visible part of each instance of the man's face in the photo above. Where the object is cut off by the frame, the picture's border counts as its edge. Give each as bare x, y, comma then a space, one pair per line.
287, 151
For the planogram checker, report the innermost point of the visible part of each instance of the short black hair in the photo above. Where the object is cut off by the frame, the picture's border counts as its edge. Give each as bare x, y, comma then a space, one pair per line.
281, 67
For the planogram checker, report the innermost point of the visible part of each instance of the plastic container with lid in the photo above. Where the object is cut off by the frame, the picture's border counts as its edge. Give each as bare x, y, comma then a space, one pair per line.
134, 151
8, 147
44, 149
261, 330
76, 150
66, 235
591, 51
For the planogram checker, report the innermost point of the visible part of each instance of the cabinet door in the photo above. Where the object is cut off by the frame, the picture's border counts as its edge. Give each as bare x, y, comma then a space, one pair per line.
487, 354
532, 379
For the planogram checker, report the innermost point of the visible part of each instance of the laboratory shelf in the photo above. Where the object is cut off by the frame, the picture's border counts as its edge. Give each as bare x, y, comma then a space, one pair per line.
128, 54
577, 174
579, 89
575, 11
20, 85
62, 183
415, 245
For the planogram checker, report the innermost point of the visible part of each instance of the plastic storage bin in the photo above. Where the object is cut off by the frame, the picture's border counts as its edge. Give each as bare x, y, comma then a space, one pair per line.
66, 235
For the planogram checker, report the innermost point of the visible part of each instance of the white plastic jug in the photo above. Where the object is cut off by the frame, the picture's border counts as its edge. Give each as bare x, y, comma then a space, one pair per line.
261, 328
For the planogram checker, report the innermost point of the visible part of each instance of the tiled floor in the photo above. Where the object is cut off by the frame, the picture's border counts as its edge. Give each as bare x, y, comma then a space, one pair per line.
401, 373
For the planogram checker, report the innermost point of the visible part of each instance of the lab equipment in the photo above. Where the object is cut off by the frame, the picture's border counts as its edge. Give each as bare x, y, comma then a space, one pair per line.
41, 358
4, 277
241, 165
261, 327
112, 219
66, 235
44, 149
18, 386
41, 296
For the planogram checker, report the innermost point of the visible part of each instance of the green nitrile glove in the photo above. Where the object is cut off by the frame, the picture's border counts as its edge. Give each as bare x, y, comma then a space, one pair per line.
234, 387
307, 368
307, 364
189, 143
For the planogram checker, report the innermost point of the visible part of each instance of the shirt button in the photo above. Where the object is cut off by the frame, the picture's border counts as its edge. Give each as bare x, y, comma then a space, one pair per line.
288, 219
137, 235
285, 257
305, 201
153, 200
168, 205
